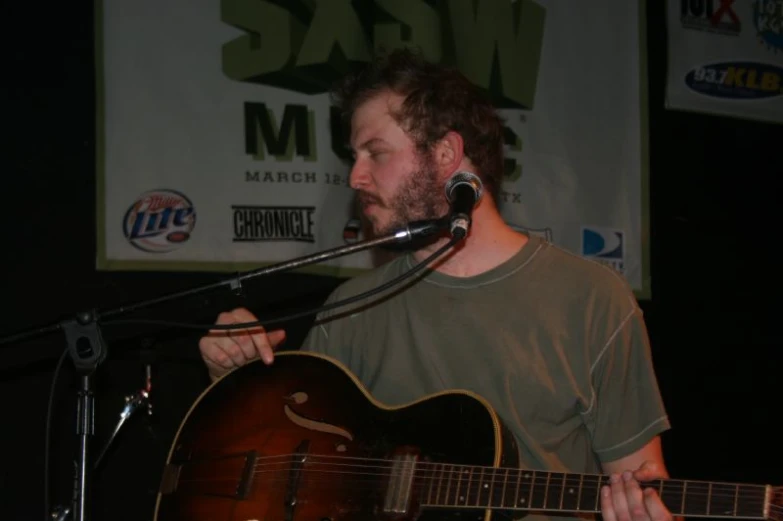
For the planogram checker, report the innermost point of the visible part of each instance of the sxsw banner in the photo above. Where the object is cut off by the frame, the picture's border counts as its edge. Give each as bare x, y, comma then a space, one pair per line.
726, 58
218, 150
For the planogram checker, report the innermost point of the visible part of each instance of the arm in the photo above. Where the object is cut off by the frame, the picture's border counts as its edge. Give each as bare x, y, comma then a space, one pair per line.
628, 415
625, 499
650, 453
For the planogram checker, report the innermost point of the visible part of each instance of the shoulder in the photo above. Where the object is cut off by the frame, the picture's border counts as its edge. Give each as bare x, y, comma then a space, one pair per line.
586, 282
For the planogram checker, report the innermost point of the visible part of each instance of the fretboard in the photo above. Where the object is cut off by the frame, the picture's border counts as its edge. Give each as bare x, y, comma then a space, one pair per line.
445, 485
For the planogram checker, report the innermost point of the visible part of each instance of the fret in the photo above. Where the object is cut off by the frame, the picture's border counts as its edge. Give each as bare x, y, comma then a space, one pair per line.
457, 485
432, 482
750, 502
554, 490
563, 490
673, 495
505, 489
458, 499
485, 492
480, 488
546, 488
589, 487
440, 484
532, 489
569, 497
539, 489
695, 499
524, 488
447, 498
499, 494
491, 499
469, 491
722, 500
599, 484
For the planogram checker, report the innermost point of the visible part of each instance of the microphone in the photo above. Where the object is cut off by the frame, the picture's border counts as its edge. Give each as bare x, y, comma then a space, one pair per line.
463, 191
423, 228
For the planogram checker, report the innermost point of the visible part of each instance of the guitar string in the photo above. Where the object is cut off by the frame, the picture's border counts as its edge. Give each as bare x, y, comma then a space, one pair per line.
555, 478
385, 463
695, 490
283, 476
322, 483
427, 473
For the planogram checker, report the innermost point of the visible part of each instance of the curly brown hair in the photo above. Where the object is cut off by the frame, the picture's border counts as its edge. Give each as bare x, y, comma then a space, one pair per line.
438, 99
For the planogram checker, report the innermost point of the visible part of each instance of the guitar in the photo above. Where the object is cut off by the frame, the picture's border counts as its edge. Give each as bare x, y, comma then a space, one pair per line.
303, 440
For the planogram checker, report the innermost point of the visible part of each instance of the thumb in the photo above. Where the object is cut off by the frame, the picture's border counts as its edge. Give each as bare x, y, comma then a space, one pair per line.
649, 470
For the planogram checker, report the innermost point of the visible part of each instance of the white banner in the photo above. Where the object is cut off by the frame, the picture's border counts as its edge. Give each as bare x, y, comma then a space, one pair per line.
216, 150
726, 58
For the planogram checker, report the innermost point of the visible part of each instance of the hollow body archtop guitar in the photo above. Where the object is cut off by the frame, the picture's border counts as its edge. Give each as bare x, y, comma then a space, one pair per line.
302, 440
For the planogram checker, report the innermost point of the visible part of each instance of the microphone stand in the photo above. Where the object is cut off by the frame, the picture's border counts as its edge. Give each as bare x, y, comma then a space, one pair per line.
87, 348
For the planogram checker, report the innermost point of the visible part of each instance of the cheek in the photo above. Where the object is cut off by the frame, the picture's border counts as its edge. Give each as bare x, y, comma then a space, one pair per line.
390, 172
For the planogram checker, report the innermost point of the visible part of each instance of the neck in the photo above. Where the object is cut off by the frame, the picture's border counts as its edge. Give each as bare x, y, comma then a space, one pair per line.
490, 242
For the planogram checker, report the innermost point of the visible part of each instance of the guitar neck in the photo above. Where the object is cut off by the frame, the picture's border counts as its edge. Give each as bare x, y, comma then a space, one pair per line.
445, 485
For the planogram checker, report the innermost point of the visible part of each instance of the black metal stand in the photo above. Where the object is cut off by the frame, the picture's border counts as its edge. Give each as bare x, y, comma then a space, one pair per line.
88, 350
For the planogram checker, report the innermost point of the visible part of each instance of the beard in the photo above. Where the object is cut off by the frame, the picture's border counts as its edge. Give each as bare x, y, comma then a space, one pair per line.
419, 197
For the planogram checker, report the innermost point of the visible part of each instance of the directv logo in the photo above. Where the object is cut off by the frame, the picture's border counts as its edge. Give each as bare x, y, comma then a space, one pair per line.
604, 245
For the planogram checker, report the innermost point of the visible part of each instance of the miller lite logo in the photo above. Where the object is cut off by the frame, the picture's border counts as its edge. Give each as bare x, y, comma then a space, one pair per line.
159, 221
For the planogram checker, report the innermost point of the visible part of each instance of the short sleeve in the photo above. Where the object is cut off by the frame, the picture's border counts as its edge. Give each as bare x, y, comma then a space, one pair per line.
627, 410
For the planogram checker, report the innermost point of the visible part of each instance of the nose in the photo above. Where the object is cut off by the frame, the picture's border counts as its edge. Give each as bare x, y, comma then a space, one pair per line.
359, 176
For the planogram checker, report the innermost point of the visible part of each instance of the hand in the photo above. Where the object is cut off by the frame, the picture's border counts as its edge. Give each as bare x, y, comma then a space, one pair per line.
223, 350
625, 500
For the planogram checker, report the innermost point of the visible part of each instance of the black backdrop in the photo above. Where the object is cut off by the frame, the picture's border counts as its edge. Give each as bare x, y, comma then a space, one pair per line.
711, 319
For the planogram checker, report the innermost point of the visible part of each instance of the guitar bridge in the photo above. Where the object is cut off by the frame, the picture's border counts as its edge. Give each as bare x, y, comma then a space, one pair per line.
298, 460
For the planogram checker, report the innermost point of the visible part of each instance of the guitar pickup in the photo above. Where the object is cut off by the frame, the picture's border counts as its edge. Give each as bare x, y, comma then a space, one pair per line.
229, 476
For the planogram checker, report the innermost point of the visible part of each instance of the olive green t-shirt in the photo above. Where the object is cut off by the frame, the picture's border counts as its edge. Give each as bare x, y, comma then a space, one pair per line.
556, 343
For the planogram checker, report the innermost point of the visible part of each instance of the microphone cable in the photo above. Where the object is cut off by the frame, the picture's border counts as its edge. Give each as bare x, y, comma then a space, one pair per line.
311, 311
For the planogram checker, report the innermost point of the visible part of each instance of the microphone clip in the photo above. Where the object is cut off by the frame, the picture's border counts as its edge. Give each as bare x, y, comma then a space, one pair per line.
463, 191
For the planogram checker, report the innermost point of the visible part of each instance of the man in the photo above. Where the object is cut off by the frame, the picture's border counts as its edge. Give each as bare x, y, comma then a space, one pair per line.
556, 343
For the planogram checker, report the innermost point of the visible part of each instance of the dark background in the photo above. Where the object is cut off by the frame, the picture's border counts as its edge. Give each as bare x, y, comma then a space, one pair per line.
712, 318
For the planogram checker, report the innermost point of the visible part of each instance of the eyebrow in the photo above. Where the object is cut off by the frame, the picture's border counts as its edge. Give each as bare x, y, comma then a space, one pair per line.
370, 142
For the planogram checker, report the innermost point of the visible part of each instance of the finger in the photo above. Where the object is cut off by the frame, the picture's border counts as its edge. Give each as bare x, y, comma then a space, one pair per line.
235, 344
607, 508
276, 338
619, 501
242, 345
221, 346
215, 371
265, 345
648, 471
634, 498
237, 347
655, 507
216, 354
253, 341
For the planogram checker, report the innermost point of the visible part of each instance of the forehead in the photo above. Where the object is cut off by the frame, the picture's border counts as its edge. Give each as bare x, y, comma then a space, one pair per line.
373, 119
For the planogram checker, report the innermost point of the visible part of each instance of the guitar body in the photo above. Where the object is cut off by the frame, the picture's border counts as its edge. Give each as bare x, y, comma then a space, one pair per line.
302, 440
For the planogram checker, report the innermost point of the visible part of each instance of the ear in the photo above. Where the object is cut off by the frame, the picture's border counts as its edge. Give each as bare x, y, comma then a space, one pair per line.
449, 153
